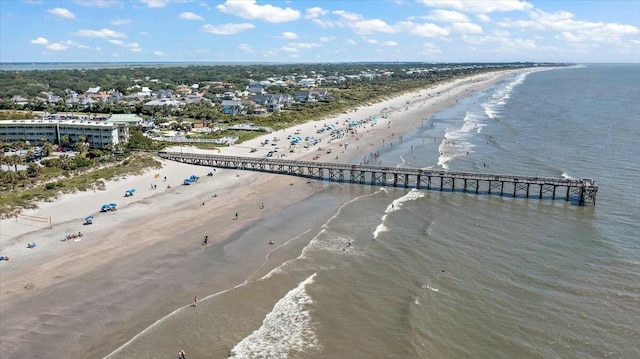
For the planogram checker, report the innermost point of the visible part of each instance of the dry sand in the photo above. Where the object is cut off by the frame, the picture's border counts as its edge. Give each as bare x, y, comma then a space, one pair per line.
131, 267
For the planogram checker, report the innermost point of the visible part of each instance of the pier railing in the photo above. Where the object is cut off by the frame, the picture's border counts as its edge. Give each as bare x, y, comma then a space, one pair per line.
582, 191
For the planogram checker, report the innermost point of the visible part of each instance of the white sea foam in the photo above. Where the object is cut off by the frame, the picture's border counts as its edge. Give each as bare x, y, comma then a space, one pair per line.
381, 228
287, 328
426, 286
410, 196
501, 96
566, 176
457, 142
395, 206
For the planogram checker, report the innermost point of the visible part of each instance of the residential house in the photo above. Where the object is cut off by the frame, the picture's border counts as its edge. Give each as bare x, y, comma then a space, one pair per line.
19, 100
335, 79
257, 88
50, 97
231, 107
164, 102
307, 83
183, 90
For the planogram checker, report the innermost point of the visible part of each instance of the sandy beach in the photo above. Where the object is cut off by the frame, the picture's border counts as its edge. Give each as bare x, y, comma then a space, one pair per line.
85, 297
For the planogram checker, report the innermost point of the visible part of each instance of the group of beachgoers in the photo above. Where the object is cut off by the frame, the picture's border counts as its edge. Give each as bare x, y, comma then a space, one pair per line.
69, 237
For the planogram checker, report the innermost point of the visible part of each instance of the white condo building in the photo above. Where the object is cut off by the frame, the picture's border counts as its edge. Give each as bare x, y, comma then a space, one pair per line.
99, 134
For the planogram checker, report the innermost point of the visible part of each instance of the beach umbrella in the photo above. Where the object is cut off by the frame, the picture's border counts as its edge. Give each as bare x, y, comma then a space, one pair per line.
131, 190
106, 207
113, 205
89, 218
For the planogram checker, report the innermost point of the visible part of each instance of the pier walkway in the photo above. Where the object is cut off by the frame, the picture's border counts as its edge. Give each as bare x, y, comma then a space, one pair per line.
582, 191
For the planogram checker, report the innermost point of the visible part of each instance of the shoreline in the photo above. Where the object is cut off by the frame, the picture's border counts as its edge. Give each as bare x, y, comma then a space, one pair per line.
166, 226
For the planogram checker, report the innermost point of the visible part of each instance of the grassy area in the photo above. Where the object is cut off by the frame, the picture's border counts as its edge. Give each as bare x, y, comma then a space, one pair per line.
69, 182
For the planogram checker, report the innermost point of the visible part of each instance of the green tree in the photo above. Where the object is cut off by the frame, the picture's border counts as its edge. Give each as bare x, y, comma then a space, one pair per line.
33, 170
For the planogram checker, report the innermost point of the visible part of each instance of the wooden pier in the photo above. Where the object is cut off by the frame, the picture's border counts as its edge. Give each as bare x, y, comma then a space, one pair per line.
582, 191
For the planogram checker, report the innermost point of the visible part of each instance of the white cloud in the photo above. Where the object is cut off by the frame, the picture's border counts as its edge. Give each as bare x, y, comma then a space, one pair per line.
447, 16
248, 9
57, 46
315, 12
103, 33
99, 3
304, 45
390, 43
466, 28
118, 22
227, 29
362, 26
295, 46
133, 46
372, 41
572, 30
501, 42
246, 48
190, 16
73, 43
425, 30
348, 16
480, 6
351, 41
372, 26
327, 38
61, 12
430, 49
155, 3
159, 53
40, 41
289, 35
483, 18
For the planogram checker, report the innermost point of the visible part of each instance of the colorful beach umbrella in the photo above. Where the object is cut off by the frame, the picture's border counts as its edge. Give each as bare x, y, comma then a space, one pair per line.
89, 218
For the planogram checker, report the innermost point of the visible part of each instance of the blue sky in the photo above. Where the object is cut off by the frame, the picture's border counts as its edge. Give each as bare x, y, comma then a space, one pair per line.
319, 31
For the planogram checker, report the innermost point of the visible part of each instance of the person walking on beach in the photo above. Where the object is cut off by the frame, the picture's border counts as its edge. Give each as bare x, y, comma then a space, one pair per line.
236, 215
195, 302
206, 240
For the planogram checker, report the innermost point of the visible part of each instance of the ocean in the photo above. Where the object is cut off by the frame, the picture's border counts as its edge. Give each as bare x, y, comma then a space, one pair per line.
399, 273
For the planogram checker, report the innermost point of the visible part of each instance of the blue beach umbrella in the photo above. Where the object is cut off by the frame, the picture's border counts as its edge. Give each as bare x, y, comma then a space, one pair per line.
106, 207
131, 190
89, 218
113, 205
